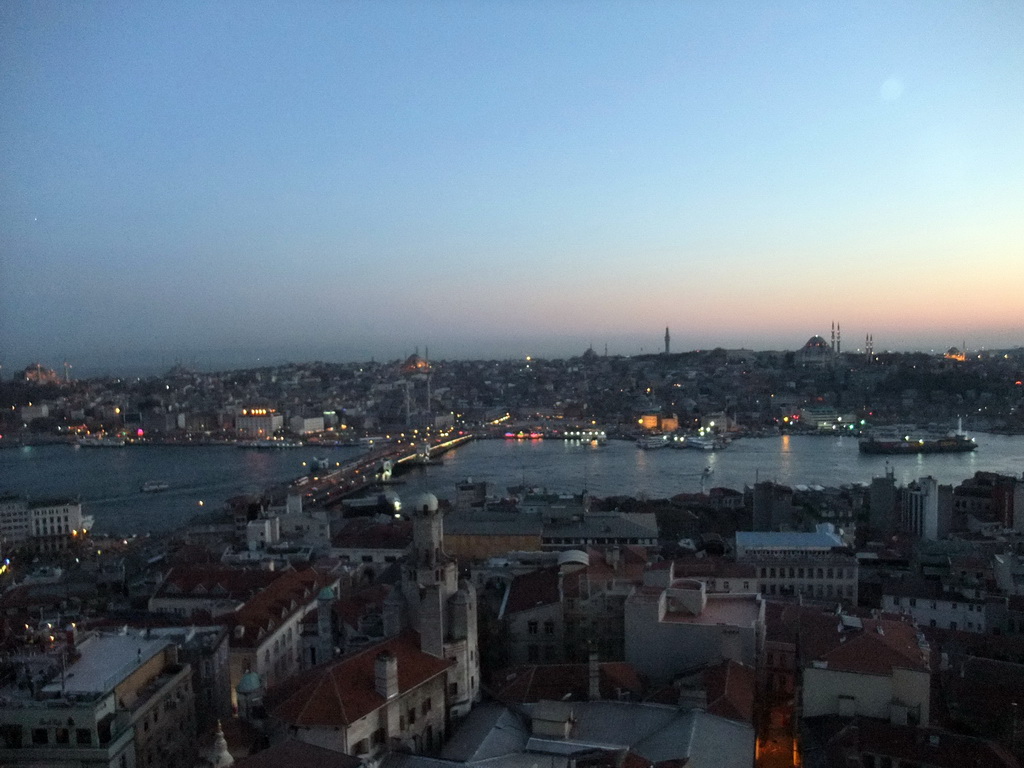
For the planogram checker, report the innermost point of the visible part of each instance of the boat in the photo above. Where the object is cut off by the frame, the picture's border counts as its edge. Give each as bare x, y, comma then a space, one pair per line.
96, 441
652, 442
698, 443
268, 445
154, 486
319, 462
894, 446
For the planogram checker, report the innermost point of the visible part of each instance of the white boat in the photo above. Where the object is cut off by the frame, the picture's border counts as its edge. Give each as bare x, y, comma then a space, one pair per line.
154, 486
699, 443
100, 442
652, 442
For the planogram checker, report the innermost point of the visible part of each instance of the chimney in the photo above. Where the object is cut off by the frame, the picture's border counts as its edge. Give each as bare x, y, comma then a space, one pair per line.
594, 676
385, 669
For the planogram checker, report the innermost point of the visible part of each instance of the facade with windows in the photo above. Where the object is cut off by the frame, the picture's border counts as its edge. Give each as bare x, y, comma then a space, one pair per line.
124, 701
45, 525
814, 565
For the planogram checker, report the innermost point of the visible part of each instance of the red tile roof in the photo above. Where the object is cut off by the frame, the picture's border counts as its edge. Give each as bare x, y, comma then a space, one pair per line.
216, 581
292, 591
339, 693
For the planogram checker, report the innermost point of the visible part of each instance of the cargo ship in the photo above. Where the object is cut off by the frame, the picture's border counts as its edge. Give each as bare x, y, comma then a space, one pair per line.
955, 443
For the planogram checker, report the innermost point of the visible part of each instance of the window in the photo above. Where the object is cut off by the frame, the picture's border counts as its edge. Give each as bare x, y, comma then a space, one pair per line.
411, 714
40, 736
549, 627
63, 736
83, 736
725, 586
453, 689
531, 627
425, 706
746, 586
533, 654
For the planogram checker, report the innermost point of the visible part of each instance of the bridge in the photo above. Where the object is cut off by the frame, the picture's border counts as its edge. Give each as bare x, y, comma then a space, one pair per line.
373, 468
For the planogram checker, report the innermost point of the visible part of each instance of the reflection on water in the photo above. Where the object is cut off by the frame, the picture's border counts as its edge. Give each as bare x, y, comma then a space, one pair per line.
109, 480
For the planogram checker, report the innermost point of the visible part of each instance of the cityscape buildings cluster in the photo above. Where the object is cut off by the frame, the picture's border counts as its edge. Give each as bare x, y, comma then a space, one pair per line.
771, 625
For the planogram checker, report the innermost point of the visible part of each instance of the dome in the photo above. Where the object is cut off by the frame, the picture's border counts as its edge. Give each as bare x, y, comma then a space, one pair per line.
325, 594
415, 364
573, 556
816, 343
426, 502
249, 683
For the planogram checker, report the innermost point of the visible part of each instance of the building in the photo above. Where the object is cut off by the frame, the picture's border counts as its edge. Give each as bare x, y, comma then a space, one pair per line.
389, 696
403, 692
814, 565
266, 632
258, 422
930, 605
926, 509
679, 627
118, 700
44, 525
867, 667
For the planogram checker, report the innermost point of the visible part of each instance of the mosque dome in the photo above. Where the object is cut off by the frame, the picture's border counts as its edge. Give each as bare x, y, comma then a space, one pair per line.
415, 364
816, 343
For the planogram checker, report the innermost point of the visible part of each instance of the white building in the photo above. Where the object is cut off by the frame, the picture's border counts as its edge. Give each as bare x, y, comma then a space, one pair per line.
47, 525
931, 606
258, 422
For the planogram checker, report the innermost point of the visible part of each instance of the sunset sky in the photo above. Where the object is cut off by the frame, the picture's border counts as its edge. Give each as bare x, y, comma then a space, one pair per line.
219, 181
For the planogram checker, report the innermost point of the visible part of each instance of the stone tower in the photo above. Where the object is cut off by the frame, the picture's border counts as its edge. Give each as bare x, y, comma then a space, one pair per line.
438, 606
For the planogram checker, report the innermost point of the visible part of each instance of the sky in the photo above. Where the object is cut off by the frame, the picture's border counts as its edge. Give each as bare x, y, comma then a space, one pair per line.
221, 182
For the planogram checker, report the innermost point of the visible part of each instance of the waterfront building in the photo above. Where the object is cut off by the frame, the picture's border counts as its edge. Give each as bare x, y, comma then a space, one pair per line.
44, 525
306, 425
112, 700
258, 422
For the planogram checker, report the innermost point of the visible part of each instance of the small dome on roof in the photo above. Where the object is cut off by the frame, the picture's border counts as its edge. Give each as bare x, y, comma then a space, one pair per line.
573, 556
426, 502
325, 594
249, 683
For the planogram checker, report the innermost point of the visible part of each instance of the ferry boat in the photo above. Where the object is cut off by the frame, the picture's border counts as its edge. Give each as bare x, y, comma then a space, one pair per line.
154, 486
95, 441
652, 442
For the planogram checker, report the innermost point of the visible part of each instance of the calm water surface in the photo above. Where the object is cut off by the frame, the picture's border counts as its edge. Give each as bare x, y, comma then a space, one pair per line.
108, 480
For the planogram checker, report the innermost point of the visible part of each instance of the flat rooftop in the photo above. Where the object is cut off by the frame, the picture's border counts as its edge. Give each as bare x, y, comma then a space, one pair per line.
106, 660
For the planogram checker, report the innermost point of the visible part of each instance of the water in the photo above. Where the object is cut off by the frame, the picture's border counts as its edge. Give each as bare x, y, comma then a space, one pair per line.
108, 479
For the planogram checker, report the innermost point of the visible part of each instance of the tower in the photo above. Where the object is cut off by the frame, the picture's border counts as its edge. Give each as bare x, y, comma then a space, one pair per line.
666, 340
440, 608
839, 340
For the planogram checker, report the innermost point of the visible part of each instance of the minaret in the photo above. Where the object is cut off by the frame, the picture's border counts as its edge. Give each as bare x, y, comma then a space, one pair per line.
839, 340
666, 340
833, 337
